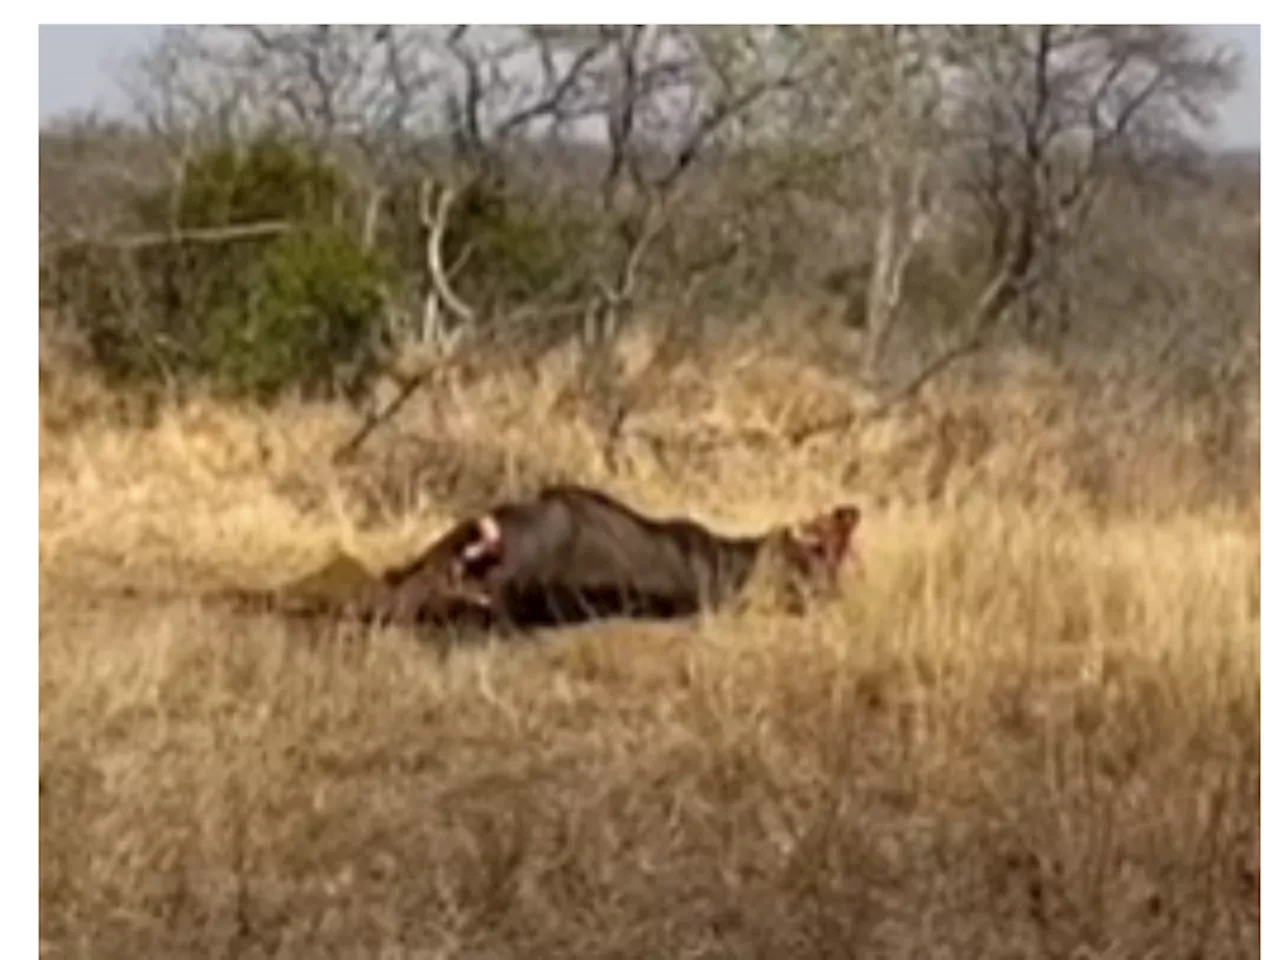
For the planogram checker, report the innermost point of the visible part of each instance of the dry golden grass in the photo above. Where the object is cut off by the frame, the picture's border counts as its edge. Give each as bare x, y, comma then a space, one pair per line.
1031, 731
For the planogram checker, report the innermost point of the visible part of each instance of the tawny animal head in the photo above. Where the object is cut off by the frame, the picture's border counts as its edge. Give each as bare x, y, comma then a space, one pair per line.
461, 559
451, 571
820, 547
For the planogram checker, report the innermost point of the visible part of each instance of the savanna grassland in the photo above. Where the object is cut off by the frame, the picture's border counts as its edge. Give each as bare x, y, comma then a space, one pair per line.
1030, 730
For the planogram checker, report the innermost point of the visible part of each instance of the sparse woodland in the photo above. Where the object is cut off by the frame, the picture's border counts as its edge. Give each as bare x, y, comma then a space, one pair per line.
330, 287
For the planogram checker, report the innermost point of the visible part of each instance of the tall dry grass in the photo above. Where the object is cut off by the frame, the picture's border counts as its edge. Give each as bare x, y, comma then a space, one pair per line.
1032, 730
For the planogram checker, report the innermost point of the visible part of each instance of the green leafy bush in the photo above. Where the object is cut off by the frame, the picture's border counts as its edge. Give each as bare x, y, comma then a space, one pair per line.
515, 246
521, 251
307, 314
296, 306
270, 179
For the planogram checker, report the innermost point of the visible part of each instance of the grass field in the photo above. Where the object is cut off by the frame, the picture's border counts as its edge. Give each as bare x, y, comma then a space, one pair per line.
1032, 730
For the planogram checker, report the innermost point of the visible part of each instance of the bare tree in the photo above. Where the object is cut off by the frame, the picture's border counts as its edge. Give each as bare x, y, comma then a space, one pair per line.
1034, 119
866, 123
1047, 115
672, 98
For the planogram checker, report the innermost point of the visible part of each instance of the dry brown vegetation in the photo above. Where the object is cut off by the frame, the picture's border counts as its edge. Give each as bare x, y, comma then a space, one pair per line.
1032, 730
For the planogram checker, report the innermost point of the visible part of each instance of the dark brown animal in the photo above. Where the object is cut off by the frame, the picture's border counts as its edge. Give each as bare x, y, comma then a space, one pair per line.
572, 554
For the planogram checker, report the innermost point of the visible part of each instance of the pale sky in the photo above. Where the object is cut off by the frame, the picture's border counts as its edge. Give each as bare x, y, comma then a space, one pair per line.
76, 73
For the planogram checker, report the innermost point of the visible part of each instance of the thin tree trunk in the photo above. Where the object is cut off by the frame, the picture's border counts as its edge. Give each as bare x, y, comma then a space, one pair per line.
901, 227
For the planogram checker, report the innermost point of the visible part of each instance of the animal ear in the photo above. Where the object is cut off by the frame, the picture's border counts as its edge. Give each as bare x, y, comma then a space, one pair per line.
844, 520
830, 534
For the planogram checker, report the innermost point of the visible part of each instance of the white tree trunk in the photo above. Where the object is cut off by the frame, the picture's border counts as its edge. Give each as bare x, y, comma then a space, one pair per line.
903, 220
